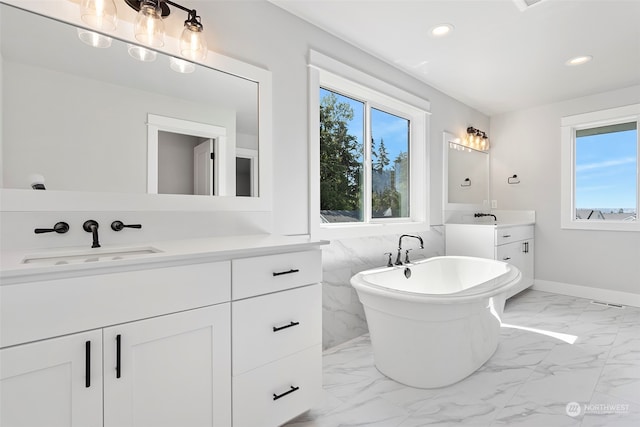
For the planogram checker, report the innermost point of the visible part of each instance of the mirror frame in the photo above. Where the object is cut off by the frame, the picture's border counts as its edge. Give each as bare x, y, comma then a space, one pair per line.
68, 13
448, 137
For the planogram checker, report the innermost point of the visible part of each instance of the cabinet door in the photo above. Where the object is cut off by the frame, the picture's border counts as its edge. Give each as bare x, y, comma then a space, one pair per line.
519, 254
55, 382
172, 370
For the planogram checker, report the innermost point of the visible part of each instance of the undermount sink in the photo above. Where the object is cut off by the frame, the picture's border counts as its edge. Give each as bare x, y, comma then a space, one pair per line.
82, 256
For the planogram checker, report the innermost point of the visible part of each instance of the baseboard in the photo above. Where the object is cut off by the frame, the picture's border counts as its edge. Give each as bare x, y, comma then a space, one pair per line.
597, 294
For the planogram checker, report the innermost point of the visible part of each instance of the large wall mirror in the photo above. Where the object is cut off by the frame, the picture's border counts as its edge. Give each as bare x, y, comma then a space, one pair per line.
92, 120
466, 175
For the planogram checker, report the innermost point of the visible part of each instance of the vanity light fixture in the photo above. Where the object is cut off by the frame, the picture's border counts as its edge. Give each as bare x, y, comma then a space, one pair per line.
181, 66
149, 28
141, 54
476, 139
99, 14
94, 39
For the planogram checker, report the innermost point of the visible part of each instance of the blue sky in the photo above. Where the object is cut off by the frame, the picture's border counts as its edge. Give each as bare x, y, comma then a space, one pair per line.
606, 168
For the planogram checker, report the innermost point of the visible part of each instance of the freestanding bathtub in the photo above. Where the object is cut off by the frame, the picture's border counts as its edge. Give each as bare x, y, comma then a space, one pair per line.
435, 321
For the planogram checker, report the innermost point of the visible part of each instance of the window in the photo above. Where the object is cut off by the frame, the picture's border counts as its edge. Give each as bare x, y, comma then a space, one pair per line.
600, 170
350, 132
368, 153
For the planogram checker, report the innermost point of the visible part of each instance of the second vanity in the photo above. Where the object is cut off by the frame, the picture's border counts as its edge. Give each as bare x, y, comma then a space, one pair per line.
205, 332
511, 242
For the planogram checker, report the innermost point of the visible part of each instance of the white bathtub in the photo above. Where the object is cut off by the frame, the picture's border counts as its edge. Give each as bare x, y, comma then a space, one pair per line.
440, 324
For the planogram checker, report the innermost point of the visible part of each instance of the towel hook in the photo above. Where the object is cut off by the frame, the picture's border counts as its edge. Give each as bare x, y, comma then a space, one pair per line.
513, 179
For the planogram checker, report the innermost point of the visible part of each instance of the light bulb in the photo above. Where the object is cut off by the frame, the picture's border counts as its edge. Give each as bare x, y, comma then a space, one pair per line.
149, 28
141, 54
181, 66
99, 14
94, 39
193, 44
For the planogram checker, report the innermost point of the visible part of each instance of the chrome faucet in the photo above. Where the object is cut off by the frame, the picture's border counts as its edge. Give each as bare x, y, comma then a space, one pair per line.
91, 226
398, 258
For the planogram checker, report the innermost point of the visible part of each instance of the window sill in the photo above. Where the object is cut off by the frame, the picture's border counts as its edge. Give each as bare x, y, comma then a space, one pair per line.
344, 231
601, 225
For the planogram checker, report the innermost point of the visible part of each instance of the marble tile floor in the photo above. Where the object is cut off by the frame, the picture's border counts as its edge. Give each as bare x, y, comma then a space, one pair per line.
531, 380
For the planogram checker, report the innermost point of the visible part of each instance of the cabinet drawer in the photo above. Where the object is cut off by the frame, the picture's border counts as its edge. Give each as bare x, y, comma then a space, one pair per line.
38, 310
272, 273
513, 234
275, 393
269, 327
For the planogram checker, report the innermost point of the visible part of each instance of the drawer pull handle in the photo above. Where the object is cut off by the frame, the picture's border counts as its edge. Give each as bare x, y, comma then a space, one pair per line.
278, 396
280, 273
506, 236
279, 328
87, 364
118, 355
507, 258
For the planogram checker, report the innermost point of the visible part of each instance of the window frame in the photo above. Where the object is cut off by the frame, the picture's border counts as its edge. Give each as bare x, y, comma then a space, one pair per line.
569, 125
332, 75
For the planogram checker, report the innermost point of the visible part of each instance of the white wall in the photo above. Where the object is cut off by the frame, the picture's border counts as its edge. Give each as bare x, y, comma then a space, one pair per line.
527, 143
94, 135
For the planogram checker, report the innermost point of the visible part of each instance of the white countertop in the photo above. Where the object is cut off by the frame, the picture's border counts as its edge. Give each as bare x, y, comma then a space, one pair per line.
175, 252
499, 224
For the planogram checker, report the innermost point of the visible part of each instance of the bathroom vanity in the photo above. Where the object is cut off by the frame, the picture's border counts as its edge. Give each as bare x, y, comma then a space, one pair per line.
205, 332
509, 242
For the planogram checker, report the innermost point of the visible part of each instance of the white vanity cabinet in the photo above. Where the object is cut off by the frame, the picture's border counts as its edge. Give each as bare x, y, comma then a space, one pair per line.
277, 337
150, 344
182, 359
54, 382
509, 243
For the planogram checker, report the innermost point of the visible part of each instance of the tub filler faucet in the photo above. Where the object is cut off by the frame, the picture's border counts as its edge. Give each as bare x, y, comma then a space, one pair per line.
406, 260
91, 226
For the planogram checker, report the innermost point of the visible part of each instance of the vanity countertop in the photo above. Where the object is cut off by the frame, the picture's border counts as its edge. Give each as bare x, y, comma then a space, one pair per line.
499, 224
158, 254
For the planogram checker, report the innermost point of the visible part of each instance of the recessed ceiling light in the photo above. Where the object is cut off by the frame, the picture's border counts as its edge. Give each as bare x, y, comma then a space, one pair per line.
441, 30
579, 60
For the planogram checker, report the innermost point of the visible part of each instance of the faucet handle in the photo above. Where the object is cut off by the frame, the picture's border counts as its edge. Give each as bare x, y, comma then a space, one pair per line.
389, 261
406, 256
119, 225
60, 228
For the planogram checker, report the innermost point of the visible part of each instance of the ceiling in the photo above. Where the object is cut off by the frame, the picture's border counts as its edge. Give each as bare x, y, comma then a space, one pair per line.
501, 56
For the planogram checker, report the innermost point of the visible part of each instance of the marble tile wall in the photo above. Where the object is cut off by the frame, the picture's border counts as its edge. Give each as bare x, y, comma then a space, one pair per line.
342, 315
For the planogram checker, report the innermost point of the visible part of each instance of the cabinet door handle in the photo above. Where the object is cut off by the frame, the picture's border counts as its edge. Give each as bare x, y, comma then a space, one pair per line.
87, 364
506, 236
280, 273
278, 396
118, 355
507, 258
279, 328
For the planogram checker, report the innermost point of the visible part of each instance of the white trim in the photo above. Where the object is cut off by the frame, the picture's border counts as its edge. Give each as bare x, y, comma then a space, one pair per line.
329, 73
569, 126
597, 294
366, 81
224, 160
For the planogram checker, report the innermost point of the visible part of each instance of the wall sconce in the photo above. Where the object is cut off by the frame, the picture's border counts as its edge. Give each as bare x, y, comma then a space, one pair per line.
476, 139
148, 28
